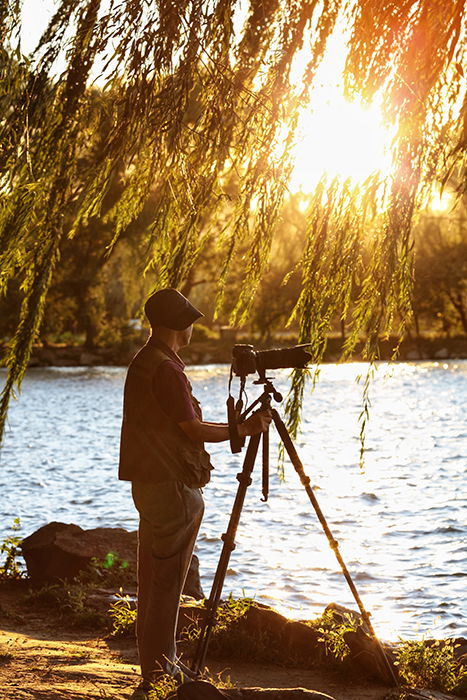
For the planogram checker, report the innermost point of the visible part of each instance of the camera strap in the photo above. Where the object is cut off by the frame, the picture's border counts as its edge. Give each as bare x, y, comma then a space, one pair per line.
233, 413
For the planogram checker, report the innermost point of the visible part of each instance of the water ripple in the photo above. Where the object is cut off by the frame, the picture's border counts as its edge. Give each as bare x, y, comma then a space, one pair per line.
401, 523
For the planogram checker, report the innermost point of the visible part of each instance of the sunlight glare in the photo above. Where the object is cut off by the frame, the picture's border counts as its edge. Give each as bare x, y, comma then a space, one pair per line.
441, 202
337, 137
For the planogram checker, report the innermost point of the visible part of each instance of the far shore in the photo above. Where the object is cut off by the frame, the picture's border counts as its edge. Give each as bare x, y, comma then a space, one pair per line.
212, 351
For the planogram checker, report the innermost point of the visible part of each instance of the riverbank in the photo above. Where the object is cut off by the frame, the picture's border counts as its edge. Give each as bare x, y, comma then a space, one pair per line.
220, 351
44, 655
67, 629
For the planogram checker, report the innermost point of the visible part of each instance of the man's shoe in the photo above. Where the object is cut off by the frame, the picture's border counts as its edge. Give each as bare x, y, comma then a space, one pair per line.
142, 691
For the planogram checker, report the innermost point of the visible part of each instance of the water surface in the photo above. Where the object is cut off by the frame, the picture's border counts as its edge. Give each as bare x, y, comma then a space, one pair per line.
401, 523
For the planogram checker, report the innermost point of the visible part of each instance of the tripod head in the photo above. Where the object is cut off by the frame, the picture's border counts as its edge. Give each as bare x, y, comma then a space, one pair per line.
236, 414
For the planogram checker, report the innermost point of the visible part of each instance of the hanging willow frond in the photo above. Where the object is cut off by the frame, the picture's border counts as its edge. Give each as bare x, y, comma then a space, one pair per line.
194, 94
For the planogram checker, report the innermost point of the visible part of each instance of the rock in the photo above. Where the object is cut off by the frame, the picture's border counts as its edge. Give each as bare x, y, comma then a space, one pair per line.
460, 649
193, 583
259, 619
300, 640
61, 551
276, 694
415, 694
342, 615
297, 640
442, 354
205, 691
366, 655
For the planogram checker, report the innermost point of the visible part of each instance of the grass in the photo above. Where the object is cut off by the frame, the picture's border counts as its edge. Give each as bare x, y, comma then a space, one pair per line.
123, 616
69, 601
6, 657
432, 664
9, 553
164, 687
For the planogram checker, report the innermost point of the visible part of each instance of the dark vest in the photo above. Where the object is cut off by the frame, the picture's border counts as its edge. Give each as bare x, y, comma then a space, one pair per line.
153, 448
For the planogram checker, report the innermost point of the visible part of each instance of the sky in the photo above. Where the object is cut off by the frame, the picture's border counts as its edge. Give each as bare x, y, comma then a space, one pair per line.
36, 14
335, 136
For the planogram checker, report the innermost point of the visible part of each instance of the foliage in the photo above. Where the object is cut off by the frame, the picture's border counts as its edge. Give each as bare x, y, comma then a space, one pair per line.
203, 333
198, 109
432, 665
231, 638
9, 551
123, 615
111, 571
332, 633
164, 687
69, 601
441, 271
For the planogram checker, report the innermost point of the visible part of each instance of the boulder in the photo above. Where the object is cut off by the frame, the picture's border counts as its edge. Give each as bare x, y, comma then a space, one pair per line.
205, 691
297, 640
423, 694
366, 655
301, 640
342, 615
259, 619
61, 551
279, 694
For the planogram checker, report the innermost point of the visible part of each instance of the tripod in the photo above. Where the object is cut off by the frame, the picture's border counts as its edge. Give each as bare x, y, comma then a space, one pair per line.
244, 479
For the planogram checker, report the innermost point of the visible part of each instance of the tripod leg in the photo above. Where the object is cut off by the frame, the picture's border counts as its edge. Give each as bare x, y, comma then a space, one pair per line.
265, 473
298, 466
244, 479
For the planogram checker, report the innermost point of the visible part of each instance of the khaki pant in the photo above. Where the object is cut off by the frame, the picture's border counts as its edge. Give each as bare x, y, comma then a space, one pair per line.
170, 517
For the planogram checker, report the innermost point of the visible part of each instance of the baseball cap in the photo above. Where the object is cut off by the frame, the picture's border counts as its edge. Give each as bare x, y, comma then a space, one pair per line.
169, 308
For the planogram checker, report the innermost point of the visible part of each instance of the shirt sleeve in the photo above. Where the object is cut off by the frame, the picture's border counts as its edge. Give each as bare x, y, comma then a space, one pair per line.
172, 391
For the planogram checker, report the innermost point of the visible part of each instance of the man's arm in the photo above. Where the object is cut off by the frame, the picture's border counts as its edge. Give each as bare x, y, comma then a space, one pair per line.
200, 431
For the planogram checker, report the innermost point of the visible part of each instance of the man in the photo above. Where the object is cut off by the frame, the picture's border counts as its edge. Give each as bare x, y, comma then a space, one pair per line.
162, 453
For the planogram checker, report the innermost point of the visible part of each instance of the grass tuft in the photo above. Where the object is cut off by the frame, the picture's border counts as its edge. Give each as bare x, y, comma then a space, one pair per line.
432, 664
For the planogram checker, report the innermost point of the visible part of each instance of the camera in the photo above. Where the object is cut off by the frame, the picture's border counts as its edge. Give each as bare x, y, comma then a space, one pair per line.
246, 360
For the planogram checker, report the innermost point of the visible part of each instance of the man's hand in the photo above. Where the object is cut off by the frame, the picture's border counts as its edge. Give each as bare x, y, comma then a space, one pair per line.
258, 422
199, 431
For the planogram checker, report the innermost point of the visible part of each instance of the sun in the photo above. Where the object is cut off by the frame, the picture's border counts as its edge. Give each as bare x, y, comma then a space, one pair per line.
341, 139
337, 137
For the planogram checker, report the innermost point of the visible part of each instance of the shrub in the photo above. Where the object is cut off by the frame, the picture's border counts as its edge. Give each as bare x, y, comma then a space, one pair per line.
332, 632
123, 615
9, 551
432, 665
69, 599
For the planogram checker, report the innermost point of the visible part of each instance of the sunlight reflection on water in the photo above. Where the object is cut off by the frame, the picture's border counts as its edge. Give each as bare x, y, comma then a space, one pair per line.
401, 522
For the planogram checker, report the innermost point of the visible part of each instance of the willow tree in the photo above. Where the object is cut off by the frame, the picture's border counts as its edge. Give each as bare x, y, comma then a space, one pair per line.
153, 58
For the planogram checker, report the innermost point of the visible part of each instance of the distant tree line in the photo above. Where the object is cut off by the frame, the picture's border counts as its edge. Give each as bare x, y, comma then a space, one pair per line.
100, 287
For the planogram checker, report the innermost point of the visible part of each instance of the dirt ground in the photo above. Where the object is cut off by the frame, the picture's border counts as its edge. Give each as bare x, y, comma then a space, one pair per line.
40, 659
41, 665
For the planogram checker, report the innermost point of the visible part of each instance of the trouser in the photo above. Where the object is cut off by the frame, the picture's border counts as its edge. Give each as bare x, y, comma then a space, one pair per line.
170, 517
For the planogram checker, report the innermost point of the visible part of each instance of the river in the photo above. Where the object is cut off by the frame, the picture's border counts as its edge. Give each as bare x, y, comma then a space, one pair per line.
401, 521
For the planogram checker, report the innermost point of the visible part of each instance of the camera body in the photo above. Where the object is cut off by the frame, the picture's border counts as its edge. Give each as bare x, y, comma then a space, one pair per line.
246, 360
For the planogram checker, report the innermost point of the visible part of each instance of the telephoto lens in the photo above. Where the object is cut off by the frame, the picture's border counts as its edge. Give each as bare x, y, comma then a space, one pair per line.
297, 357
247, 360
